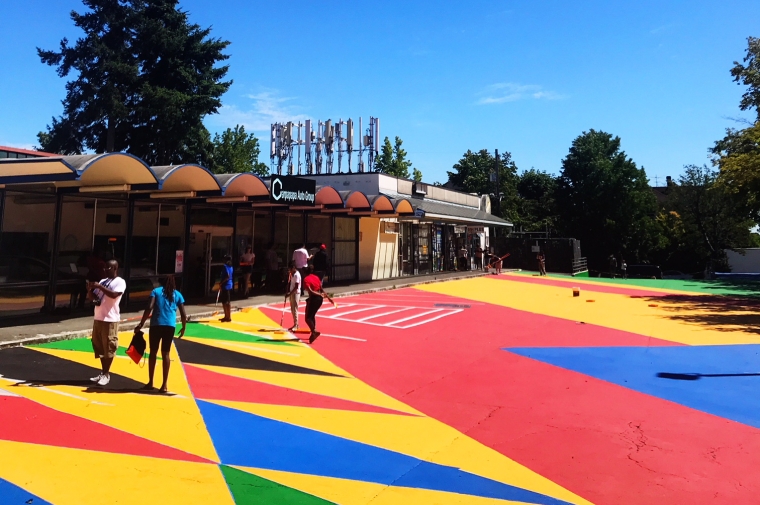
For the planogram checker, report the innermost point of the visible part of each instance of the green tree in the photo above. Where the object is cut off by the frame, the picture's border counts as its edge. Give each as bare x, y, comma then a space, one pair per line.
473, 173
416, 175
707, 219
749, 75
145, 79
536, 206
236, 151
604, 200
392, 159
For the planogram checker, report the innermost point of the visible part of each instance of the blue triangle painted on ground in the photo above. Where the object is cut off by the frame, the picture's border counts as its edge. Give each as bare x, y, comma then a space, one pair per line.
246, 439
722, 380
11, 494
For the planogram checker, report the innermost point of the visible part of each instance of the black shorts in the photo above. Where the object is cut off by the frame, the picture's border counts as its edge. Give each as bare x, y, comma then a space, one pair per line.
162, 334
224, 296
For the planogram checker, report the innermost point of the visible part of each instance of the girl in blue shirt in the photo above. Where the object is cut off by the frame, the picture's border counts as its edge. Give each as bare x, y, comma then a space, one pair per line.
164, 302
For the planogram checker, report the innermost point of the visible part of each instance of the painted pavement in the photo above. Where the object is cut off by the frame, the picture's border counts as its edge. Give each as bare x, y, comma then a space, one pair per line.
489, 390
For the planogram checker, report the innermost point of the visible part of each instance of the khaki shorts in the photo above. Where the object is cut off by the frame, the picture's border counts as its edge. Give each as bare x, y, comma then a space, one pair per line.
105, 338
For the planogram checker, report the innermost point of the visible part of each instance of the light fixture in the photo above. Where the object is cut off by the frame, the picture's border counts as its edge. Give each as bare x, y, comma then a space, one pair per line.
113, 188
174, 194
227, 199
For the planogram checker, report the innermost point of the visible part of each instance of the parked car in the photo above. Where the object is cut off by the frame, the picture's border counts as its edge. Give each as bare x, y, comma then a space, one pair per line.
644, 272
676, 274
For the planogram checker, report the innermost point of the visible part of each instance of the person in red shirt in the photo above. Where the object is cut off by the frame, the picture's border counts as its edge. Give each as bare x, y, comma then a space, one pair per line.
313, 285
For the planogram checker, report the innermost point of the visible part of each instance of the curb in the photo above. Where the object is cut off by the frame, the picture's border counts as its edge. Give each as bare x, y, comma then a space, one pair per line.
130, 324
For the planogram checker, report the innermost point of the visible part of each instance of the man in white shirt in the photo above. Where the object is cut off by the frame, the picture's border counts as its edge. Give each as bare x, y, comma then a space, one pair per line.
294, 290
106, 296
301, 259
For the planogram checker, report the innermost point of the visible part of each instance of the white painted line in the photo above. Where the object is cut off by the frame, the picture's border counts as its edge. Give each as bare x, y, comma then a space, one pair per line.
345, 338
415, 316
3, 392
430, 320
383, 314
341, 314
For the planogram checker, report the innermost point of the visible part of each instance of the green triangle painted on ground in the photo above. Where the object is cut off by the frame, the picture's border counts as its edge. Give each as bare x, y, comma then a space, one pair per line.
249, 489
198, 330
76, 344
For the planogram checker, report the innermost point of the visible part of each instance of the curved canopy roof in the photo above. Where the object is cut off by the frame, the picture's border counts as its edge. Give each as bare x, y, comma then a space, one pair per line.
327, 195
186, 178
245, 184
111, 168
355, 199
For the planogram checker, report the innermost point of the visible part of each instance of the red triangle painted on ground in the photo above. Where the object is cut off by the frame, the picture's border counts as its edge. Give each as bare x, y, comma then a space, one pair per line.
23, 420
208, 385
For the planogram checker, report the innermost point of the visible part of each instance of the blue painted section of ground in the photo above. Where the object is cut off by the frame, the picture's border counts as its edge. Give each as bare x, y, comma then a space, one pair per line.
246, 439
721, 380
11, 494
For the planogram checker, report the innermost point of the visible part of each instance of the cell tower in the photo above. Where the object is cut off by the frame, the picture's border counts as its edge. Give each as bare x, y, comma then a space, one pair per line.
321, 141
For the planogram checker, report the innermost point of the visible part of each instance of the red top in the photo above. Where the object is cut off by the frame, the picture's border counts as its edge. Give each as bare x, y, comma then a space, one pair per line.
312, 282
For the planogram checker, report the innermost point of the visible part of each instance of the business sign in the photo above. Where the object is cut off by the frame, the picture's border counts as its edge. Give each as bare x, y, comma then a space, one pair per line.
390, 227
475, 229
179, 261
290, 190
419, 213
460, 229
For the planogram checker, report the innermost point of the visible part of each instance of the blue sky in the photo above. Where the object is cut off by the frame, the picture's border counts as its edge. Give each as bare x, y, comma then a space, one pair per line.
522, 76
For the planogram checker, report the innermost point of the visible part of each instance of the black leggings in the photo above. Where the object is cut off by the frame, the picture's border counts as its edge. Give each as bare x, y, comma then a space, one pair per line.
163, 335
312, 306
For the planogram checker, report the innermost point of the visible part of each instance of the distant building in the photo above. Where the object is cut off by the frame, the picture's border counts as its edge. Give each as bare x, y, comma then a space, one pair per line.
15, 152
662, 192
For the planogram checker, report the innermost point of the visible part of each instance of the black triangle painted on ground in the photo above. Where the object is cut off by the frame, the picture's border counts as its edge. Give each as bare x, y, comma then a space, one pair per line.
249, 489
201, 354
38, 368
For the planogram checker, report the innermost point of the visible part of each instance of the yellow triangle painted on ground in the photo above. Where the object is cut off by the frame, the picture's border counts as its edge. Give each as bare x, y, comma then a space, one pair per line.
299, 355
421, 437
175, 421
79, 477
346, 388
669, 320
353, 492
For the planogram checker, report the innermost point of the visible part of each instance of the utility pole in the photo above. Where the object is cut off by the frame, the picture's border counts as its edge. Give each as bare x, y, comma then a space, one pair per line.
496, 169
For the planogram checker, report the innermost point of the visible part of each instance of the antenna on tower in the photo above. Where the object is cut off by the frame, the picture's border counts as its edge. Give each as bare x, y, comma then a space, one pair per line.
329, 145
349, 141
308, 137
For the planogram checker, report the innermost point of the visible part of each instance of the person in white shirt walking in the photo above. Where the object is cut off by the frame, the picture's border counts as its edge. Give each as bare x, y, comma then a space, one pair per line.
106, 296
294, 293
301, 259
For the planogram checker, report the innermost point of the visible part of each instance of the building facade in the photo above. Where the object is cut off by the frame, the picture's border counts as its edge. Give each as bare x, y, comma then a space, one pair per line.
62, 216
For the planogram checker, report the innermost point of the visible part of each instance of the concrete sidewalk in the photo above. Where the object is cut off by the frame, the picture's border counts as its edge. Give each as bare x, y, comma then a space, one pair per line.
46, 328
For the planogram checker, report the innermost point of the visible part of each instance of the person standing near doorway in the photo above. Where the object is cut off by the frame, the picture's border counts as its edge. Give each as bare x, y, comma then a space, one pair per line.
106, 296
294, 293
624, 268
613, 266
225, 288
313, 303
246, 265
164, 302
463, 259
321, 263
479, 258
301, 259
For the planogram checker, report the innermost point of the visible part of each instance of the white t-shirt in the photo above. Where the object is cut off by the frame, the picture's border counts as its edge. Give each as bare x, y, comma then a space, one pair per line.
295, 282
301, 257
108, 310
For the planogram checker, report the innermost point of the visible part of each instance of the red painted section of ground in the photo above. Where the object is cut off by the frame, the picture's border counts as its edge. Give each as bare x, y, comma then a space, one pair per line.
22, 420
502, 326
594, 288
208, 385
606, 443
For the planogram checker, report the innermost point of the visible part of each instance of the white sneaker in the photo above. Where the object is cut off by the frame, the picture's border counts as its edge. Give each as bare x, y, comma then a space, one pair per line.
104, 380
96, 378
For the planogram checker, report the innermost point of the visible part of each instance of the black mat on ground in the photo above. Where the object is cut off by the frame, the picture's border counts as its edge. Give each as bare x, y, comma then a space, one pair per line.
42, 369
200, 354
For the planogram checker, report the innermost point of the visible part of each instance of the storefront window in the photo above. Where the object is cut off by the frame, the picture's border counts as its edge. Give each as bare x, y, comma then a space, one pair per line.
25, 246
288, 235
319, 231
